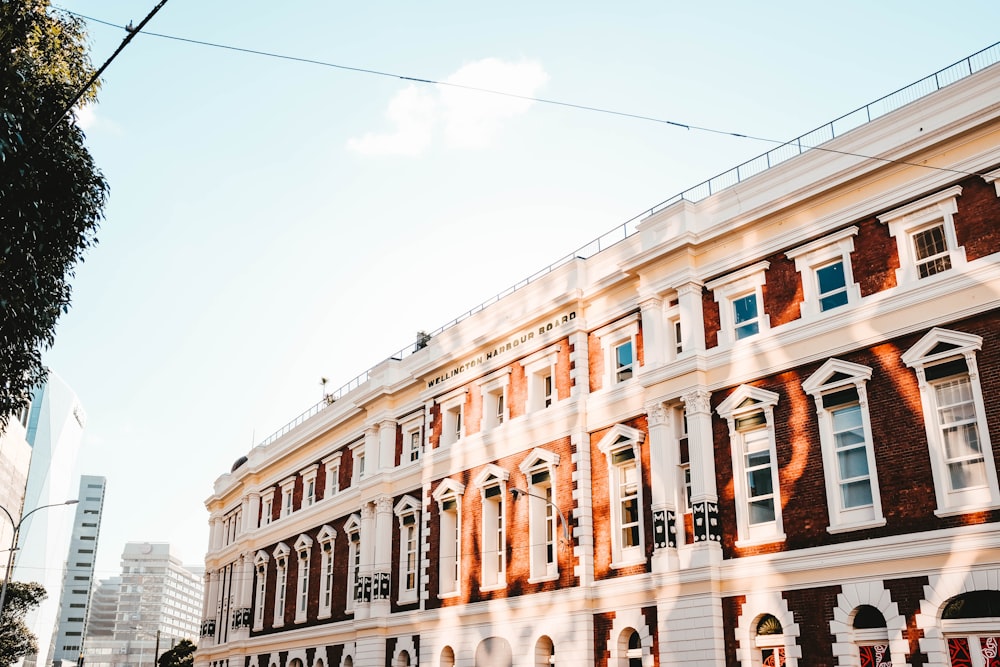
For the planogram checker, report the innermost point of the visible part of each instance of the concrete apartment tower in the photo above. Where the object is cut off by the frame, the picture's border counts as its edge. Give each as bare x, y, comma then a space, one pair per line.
15, 458
67, 640
158, 603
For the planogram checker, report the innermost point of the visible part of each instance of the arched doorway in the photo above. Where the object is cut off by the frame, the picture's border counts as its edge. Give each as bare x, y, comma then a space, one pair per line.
494, 652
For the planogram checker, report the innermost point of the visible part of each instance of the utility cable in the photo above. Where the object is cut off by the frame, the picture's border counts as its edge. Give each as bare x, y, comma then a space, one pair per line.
583, 107
132, 32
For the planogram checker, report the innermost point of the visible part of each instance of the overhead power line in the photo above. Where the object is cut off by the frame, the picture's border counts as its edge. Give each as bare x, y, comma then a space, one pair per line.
489, 91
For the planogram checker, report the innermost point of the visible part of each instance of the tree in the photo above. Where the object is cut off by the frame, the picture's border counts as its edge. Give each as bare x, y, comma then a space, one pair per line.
16, 640
181, 655
52, 195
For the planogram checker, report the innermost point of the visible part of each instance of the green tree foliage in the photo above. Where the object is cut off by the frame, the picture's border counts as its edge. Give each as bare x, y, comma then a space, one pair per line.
181, 655
51, 193
16, 639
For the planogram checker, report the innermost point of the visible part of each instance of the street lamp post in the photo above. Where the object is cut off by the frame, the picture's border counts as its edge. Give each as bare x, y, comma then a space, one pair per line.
13, 544
515, 492
156, 649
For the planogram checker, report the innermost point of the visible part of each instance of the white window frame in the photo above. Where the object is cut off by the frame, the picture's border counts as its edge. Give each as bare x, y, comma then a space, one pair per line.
413, 441
543, 517
260, 568
936, 347
492, 482
331, 467
672, 316
540, 374
281, 553
287, 497
907, 221
309, 485
972, 630
357, 461
732, 287
267, 507
622, 440
496, 405
452, 415
812, 257
684, 484
352, 530
303, 549
613, 336
448, 496
744, 403
834, 376
327, 539
407, 512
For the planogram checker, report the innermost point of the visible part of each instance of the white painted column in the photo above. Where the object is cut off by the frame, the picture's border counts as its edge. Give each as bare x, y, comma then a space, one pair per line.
704, 492
362, 607
251, 512
382, 566
664, 459
387, 445
689, 301
654, 333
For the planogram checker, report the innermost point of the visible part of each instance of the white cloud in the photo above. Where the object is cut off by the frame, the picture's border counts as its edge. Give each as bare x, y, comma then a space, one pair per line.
467, 118
471, 118
412, 112
85, 116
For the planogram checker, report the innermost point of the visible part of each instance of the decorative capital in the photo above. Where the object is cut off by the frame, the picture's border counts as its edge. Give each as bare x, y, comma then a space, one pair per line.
657, 414
697, 402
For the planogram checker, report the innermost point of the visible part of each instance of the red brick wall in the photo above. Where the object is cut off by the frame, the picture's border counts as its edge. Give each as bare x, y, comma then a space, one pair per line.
649, 613
907, 594
977, 222
812, 610
395, 570
900, 444
783, 291
595, 355
602, 505
731, 610
603, 624
711, 317
518, 554
875, 258
517, 392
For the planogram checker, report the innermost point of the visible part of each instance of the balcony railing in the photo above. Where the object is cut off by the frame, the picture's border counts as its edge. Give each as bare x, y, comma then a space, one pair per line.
741, 172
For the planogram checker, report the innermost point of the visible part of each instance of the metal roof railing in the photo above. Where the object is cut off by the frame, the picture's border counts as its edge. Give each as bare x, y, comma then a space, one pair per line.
741, 172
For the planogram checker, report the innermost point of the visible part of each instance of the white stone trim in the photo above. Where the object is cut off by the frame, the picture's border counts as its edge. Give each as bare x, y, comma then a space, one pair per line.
854, 595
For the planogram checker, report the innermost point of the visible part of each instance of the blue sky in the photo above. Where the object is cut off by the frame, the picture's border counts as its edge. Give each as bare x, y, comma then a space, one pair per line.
274, 222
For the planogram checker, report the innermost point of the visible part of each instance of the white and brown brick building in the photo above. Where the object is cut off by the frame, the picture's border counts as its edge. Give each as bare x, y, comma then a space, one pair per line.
762, 427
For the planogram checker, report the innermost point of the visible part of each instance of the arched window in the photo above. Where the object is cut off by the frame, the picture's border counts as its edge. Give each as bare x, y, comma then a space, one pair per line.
348, 661
494, 652
447, 657
871, 636
403, 659
545, 652
634, 653
971, 624
770, 640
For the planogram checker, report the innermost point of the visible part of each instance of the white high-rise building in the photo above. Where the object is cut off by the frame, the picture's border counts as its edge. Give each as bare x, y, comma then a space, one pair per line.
79, 573
54, 430
15, 458
158, 603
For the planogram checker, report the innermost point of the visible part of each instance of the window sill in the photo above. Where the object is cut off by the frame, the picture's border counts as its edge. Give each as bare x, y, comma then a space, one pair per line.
966, 509
758, 541
493, 587
448, 595
619, 564
547, 577
409, 598
861, 525
326, 613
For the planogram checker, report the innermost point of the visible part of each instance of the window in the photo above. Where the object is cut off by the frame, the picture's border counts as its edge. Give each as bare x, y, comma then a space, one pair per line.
839, 389
452, 425
925, 236
620, 344
492, 483
965, 477
267, 509
750, 414
326, 537
357, 461
769, 639
681, 428
413, 442
448, 496
740, 297
331, 468
494, 392
539, 472
309, 485
281, 583
827, 275
287, 496
969, 624
540, 372
621, 446
408, 514
353, 530
303, 547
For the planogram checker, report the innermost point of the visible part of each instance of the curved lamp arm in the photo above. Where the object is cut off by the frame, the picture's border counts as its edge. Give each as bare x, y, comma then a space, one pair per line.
515, 492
